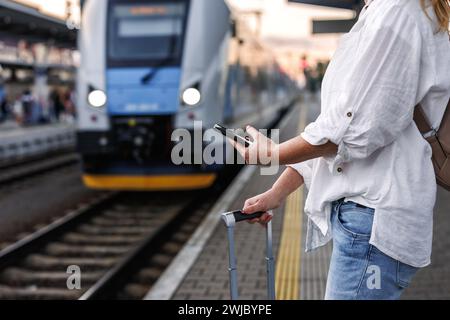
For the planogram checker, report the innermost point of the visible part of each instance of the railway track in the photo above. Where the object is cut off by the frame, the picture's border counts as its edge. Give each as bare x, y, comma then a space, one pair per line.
107, 240
141, 269
120, 244
24, 170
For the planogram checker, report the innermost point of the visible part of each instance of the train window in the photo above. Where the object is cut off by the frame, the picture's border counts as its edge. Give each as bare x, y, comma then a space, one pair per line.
146, 33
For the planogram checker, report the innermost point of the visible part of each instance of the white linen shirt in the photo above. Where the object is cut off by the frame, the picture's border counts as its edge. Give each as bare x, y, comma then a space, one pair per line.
391, 60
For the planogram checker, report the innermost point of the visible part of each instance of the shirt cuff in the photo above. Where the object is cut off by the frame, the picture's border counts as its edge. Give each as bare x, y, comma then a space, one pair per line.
316, 137
305, 170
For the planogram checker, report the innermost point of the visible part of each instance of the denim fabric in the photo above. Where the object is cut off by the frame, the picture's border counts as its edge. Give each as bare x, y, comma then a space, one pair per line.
358, 270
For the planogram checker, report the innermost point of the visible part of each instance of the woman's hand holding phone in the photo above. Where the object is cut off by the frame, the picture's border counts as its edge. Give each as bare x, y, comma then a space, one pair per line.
261, 150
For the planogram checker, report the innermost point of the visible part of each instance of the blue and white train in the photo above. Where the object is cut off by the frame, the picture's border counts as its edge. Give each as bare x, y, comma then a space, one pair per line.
149, 67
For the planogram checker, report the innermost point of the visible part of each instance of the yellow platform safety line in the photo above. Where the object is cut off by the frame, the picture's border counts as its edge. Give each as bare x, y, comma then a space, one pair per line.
287, 275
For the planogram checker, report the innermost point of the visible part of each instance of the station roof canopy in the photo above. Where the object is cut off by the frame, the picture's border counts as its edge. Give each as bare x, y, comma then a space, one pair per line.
25, 22
343, 4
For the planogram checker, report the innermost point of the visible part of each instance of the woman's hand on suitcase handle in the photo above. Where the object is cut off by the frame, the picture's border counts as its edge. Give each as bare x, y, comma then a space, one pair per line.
289, 181
262, 203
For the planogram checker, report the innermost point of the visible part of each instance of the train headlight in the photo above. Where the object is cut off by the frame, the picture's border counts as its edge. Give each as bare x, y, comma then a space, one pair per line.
97, 98
191, 96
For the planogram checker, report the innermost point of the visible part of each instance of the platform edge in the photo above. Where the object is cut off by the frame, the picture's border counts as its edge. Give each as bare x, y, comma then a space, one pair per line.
169, 282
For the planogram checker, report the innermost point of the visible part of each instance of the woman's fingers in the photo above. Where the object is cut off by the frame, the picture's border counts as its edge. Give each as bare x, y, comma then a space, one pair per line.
253, 208
257, 204
265, 219
254, 205
250, 202
252, 132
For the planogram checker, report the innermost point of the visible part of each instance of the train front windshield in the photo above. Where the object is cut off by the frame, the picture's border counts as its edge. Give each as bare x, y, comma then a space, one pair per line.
145, 34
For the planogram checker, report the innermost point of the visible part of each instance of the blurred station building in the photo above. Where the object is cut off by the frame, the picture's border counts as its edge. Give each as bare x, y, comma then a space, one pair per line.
38, 61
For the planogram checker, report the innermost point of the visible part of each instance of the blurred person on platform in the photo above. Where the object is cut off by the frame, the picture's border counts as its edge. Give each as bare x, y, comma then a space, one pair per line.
320, 71
27, 106
31, 109
69, 105
3, 102
310, 74
57, 104
304, 64
18, 111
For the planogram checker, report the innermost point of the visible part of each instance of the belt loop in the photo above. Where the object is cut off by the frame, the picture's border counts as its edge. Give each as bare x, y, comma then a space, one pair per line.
339, 204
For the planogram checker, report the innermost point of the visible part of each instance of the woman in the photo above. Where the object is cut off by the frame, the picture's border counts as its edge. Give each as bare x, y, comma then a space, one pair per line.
368, 169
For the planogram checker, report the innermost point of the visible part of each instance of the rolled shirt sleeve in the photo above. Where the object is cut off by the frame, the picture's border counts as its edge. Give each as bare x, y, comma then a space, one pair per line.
305, 169
380, 93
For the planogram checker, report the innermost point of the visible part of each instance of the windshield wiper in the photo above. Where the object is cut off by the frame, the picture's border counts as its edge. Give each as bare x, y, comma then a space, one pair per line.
154, 71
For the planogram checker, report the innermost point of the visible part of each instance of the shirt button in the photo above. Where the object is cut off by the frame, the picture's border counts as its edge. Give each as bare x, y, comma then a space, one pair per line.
340, 170
349, 114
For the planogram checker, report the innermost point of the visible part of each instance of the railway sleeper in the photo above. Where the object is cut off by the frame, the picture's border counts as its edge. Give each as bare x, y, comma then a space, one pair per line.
49, 263
58, 249
123, 222
36, 293
23, 277
122, 231
84, 239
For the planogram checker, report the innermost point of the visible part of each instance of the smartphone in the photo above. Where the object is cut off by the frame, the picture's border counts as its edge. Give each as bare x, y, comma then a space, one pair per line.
232, 135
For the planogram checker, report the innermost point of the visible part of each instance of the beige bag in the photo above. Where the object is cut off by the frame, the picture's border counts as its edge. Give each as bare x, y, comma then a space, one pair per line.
440, 143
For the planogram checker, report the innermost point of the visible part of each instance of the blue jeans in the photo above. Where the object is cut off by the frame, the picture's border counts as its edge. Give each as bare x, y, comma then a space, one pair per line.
358, 270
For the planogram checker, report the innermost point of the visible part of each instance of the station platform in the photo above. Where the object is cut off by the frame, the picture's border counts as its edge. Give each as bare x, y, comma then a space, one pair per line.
18, 143
200, 271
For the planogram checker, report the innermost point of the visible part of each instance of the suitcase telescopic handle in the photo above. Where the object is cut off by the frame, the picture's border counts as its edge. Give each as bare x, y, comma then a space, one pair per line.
230, 219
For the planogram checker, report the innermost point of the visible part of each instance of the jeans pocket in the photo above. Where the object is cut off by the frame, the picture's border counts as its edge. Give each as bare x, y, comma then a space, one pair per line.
356, 220
405, 273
